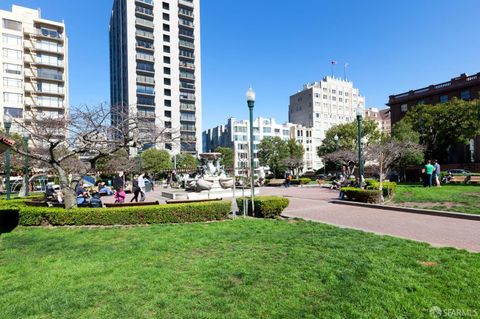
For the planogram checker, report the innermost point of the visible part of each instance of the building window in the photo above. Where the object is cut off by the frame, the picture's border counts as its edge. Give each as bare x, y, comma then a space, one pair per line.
166, 17
12, 83
165, 5
13, 112
421, 102
334, 91
167, 92
12, 54
166, 38
166, 49
166, 27
166, 70
443, 98
267, 130
325, 97
167, 81
168, 113
12, 98
168, 103
404, 107
465, 95
166, 60
12, 25
12, 39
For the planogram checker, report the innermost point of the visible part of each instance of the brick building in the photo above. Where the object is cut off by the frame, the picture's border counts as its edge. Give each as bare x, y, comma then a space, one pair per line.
463, 87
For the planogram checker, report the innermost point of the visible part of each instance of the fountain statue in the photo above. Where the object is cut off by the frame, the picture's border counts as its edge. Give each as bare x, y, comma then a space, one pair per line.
210, 181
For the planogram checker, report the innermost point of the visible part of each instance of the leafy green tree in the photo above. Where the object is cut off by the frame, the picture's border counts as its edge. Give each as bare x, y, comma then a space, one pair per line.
227, 156
155, 161
273, 151
444, 125
404, 132
294, 161
186, 160
347, 136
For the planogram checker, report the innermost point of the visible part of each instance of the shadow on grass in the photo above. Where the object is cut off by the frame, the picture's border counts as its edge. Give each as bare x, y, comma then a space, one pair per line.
8, 221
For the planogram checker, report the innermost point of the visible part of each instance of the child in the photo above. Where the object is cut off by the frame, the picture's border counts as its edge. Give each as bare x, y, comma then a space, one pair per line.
119, 196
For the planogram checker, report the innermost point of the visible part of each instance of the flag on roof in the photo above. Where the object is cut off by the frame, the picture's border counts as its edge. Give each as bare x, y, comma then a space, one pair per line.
334, 62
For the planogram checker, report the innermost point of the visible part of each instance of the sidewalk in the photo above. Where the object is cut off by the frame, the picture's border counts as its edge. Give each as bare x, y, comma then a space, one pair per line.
313, 204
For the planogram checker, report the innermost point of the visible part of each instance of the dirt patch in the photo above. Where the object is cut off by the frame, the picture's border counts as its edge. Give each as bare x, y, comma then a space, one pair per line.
430, 204
473, 194
428, 263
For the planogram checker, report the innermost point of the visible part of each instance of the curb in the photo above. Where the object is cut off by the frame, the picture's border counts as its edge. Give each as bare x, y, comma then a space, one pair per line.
431, 212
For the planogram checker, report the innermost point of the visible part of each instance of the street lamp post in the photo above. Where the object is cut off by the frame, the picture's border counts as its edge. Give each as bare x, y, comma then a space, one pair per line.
359, 142
7, 122
26, 136
251, 103
336, 149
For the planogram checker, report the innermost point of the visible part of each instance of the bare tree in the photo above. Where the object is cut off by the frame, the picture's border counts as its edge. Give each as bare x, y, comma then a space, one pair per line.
345, 157
72, 143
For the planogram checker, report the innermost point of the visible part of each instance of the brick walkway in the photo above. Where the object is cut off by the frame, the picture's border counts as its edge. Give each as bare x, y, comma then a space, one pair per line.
313, 204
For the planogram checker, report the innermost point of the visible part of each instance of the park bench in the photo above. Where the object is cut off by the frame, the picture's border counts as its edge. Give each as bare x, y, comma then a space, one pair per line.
184, 201
276, 182
458, 179
111, 205
474, 179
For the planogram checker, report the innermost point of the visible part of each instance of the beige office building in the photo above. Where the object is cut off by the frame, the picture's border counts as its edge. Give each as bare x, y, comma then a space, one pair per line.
34, 59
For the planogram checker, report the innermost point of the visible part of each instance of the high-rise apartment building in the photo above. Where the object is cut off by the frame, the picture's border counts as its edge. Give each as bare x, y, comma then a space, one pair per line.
324, 104
155, 67
34, 59
236, 135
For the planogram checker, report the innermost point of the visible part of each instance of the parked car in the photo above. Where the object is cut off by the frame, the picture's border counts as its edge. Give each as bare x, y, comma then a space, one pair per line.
458, 171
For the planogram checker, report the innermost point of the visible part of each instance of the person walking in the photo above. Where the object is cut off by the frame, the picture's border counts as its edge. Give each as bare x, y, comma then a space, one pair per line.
436, 173
135, 189
429, 169
118, 181
141, 185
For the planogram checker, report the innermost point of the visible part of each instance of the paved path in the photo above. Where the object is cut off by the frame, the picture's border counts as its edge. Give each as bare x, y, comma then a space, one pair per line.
313, 204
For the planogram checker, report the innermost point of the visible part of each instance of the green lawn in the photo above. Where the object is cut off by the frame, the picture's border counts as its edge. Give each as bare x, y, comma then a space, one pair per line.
456, 198
234, 269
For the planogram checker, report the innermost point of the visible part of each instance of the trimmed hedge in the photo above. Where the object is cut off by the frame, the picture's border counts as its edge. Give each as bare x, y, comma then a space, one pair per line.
175, 213
388, 188
265, 206
362, 195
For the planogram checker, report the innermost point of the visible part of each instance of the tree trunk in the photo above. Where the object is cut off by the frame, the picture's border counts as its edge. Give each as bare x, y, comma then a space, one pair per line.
380, 182
70, 198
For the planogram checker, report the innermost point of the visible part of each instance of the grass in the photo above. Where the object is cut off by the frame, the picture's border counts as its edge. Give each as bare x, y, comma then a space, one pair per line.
456, 198
234, 269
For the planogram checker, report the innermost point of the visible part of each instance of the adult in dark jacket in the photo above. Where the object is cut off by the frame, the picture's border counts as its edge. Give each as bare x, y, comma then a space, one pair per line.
135, 189
118, 181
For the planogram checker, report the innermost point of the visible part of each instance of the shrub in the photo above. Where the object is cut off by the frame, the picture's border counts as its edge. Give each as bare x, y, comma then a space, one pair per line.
387, 187
176, 213
362, 195
265, 206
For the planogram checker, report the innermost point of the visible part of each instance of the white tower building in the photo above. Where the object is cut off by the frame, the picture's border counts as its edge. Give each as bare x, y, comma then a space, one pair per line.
34, 59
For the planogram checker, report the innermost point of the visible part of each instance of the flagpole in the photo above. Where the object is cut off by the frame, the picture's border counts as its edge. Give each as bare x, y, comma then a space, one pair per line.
345, 71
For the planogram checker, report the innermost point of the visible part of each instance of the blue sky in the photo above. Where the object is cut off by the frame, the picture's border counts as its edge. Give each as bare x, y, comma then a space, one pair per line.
277, 46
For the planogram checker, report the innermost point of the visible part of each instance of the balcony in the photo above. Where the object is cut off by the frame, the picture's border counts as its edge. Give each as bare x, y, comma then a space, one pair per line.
144, 23
187, 76
187, 107
186, 23
187, 65
59, 64
187, 3
47, 34
187, 86
145, 57
145, 79
143, 34
143, 11
186, 13
187, 55
186, 44
187, 96
149, 2
145, 47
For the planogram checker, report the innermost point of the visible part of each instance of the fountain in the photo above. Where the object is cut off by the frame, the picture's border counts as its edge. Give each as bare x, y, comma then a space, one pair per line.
210, 182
